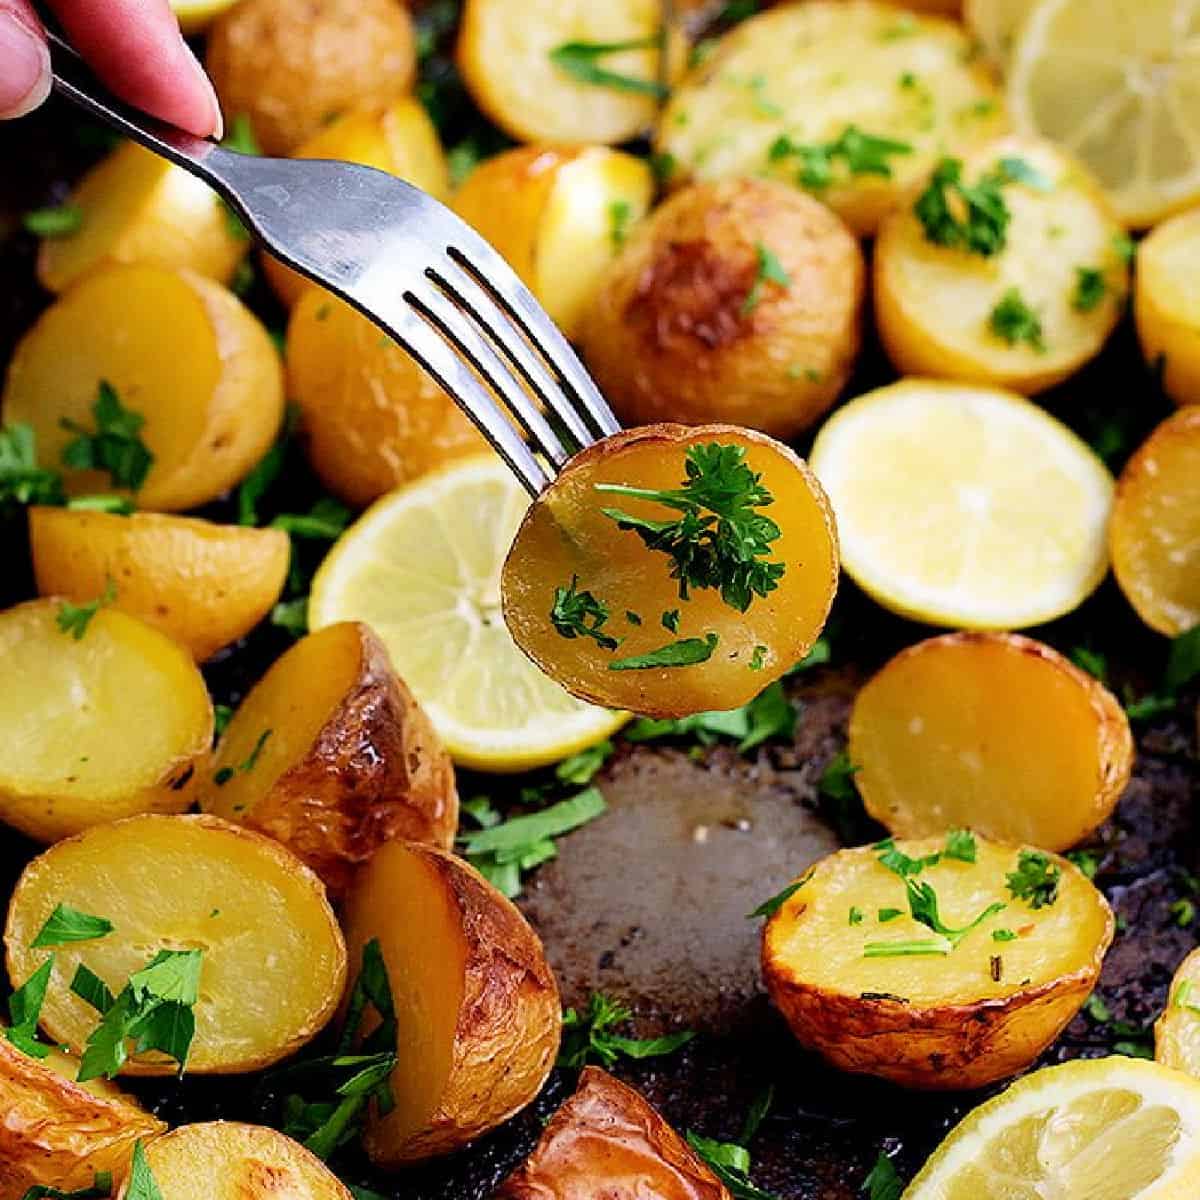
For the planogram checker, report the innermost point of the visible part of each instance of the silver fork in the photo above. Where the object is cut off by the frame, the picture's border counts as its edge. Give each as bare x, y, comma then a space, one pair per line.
404, 260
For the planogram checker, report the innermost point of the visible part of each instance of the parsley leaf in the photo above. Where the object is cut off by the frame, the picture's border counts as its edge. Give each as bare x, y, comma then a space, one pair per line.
581, 60
291, 615
116, 446
768, 908
1090, 288
589, 1037
768, 270
686, 652
325, 521
141, 1185
1091, 661
960, 845
225, 774
620, 213
862, 154
59, 221
1183, 663
66, 924
580, 614
883, 1183
25, 1010
21, 479
730, 1163
1013, 321
75, 618
837, 779
581, 768
1035, 880
972, 217
769, 715
102, 1185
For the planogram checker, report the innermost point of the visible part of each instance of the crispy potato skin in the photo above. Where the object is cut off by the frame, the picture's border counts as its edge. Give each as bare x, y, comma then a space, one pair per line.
1163, 305
1177, 1030
684, 329
606, 1139
289, 66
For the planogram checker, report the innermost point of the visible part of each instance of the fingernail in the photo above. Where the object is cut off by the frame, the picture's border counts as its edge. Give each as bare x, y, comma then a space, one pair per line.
218, 121
25, 69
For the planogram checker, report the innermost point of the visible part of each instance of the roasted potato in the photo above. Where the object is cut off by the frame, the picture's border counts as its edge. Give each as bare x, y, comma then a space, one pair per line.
57, 1133
607, 1136
737, 301
291, 68
373, 418
558, 215
854, 101
204, 585
877, 992
993, 732
351, 762
995, 24
274, 962
596, 608
476, 1003
180, 351
1165, 304
95, 725
1177, 1030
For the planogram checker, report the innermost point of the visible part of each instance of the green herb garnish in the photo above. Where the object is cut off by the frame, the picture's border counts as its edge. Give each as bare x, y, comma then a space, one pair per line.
972, 217
1013, 321
580, 769
768, 269
25, 1010
21, 480
102, 1184
862, 154
589, 1037
291, 615
768, 908
730, 1163
141, 1185
60, 221
1090, 288
225, 774
581, 60
580, 614
1035, 880
686, 652
883, 1183
769, 715
114, 446
1091, 661
66, 924
620, 213
670, 620
960, 845
1003, 935
75, 618
856, 915
758, 658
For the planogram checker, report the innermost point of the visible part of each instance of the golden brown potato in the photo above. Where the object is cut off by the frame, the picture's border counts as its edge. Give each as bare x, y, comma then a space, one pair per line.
878, 992
56, 1132
1164, 304
1177, 1030
607, 1140
351, 760
373, 418
477, 1007
204, 585
993, 732
292, 67
274, 962
568, 553
180, 351
94, 727
694, 322
559, 215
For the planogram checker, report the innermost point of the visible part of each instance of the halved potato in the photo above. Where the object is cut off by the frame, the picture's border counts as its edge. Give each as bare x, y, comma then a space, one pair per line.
351, 760
205, 585
783, 91
373, 418
398, 138
274, 962
291, 68
567, 551
996, 23
980, 1011
97, 727
1026, 317
1177, 1030
180, 351
1154, 534
606, 1139
1166, 304
476, 1003
993, 732
57, 1133
558, 215
223, 1160
694, 322
139, 208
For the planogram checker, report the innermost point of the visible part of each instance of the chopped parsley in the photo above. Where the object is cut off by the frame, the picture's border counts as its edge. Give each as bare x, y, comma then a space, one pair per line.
687, 652
141, 1185
861, 153
1090, 288
960, 845
837, 779
59, 221
883, 1182
580, 614
25, 1010
291, 615
670, 620
1017, 170
225, 774
222, 715
581, 768
1013, 321
1183, 912
102, 1186
730, 1163
66, 924
856, 915
75, 618
21, 480
1088, 861
769, 715
582, 62
1003, 935
768, 908
758, 658
971, 216
889, 914
1183, 662
589, 1036
620, 213
1091, 661
1124, 248
1183, 998
1035, 880
768, 270
114, 446
325, 521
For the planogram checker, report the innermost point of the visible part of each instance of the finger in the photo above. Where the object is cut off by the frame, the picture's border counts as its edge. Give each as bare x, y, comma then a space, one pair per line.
24, 60
135, 46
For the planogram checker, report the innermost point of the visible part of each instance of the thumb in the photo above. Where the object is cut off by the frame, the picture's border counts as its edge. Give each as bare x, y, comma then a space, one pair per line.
24, 60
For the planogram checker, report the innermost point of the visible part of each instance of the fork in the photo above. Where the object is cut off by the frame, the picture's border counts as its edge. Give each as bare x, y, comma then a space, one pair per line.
406, 262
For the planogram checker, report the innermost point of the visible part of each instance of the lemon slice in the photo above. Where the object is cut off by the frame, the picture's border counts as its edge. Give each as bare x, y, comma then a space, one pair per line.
1117, 84
422, 567
196, 15
1100, 1129
964, 506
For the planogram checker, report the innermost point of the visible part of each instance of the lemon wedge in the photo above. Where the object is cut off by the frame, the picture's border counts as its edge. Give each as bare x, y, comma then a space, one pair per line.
422, 567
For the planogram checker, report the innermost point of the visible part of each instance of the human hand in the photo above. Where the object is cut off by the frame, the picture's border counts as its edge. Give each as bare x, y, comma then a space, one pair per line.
134, 45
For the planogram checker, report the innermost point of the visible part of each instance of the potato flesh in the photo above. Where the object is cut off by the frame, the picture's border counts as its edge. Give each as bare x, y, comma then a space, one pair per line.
1177, 1031
274, 961
1167, 304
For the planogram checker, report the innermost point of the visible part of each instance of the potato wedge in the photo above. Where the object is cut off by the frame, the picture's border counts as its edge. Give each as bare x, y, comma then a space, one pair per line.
1166, 304
180, 351
792, 93
558, 215
56, 1132
274, 962
1025, 317
693, 322
230, 1161
205, 585
567, 549
1177, 1030
398, 138
291, 68
875, 995
351, 761
373, 418
992, 732
476, 1003
139, 208
1154, 534
606, 1136
92, 728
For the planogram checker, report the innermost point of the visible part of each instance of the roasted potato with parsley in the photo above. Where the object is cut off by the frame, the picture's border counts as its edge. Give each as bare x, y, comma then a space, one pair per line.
607, 616
101, 717
349, 760
477, 1007
737, 301
273, 962
992, 731
952, 967
1166, 305
205, 585
193, 370
558, 215
1177, 1030
606, 1136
